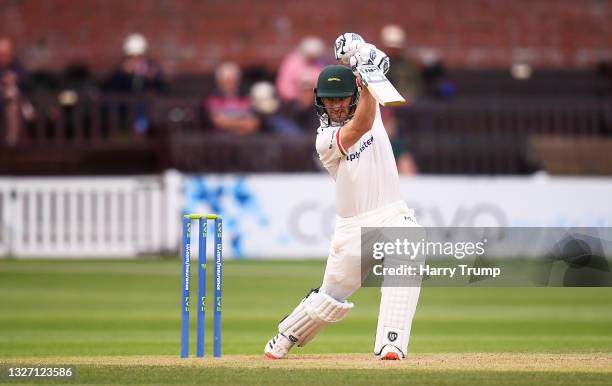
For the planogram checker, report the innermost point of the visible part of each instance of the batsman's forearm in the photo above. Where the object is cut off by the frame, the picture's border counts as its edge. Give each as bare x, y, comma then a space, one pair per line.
361, 122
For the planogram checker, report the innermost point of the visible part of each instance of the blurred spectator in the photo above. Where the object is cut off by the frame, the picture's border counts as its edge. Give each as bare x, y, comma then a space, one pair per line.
267, 106
137, 74
229, 109
306, 58
406, 165
14, 106
436, 84
302, 110
9, 63
404, 73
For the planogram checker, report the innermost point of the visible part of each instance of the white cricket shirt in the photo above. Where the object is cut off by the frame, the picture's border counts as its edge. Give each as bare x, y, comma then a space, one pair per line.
365, 174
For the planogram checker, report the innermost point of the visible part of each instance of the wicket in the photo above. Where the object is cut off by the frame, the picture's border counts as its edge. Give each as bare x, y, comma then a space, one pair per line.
186, 268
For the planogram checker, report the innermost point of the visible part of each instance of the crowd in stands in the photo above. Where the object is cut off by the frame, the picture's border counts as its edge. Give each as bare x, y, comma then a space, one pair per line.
234, 100
280, 104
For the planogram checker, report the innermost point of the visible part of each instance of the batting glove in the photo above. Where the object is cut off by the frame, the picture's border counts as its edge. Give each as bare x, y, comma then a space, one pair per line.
369, 54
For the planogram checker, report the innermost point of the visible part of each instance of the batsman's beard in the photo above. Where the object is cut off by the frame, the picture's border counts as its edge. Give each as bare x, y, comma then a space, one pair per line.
339, 115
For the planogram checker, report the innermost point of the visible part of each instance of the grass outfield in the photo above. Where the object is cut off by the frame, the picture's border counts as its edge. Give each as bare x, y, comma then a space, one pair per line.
54, 311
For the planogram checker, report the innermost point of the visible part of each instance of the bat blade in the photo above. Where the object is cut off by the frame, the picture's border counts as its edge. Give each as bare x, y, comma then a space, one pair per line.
379, 86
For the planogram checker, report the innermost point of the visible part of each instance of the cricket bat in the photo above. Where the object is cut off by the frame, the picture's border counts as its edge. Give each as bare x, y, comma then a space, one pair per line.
381, 89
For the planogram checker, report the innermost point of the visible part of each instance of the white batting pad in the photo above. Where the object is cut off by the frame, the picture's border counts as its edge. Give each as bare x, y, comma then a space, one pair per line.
397, 308
312, 314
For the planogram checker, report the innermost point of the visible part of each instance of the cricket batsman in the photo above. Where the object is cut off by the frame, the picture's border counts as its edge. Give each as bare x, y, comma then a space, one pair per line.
354, 147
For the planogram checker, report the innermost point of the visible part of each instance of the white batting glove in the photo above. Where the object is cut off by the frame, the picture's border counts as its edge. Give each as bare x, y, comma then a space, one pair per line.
369, 54
347, 45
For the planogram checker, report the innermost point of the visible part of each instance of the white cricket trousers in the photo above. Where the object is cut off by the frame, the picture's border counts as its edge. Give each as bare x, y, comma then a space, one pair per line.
343, 270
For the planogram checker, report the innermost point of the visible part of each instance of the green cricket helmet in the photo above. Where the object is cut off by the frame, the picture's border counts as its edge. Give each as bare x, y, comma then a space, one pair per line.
335, 81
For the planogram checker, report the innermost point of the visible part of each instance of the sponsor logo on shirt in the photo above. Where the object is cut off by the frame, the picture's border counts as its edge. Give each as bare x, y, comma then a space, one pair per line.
357, 154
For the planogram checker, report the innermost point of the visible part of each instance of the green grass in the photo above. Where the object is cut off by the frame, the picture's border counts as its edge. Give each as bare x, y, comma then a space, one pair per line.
101, 307
101, 375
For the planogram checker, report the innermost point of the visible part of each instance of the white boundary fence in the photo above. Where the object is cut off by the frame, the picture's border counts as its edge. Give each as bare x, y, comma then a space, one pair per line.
85, 217
265, 216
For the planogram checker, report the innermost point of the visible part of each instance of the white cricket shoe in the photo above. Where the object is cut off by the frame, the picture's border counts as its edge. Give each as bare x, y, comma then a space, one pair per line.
391, 353
278, 347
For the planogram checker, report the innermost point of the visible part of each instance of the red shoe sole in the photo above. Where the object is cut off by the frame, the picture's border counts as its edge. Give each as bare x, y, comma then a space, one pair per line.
270, 356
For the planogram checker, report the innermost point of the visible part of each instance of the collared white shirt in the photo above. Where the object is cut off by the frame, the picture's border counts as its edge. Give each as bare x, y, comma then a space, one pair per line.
365, 173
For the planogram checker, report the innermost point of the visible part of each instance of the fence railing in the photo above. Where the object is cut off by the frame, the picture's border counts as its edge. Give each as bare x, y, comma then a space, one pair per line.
491, 136
95, 118
119, 118
469, 135
79, 217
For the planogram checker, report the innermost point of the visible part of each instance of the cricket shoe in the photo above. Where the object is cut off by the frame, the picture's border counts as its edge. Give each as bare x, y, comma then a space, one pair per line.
278, 347
391, 353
